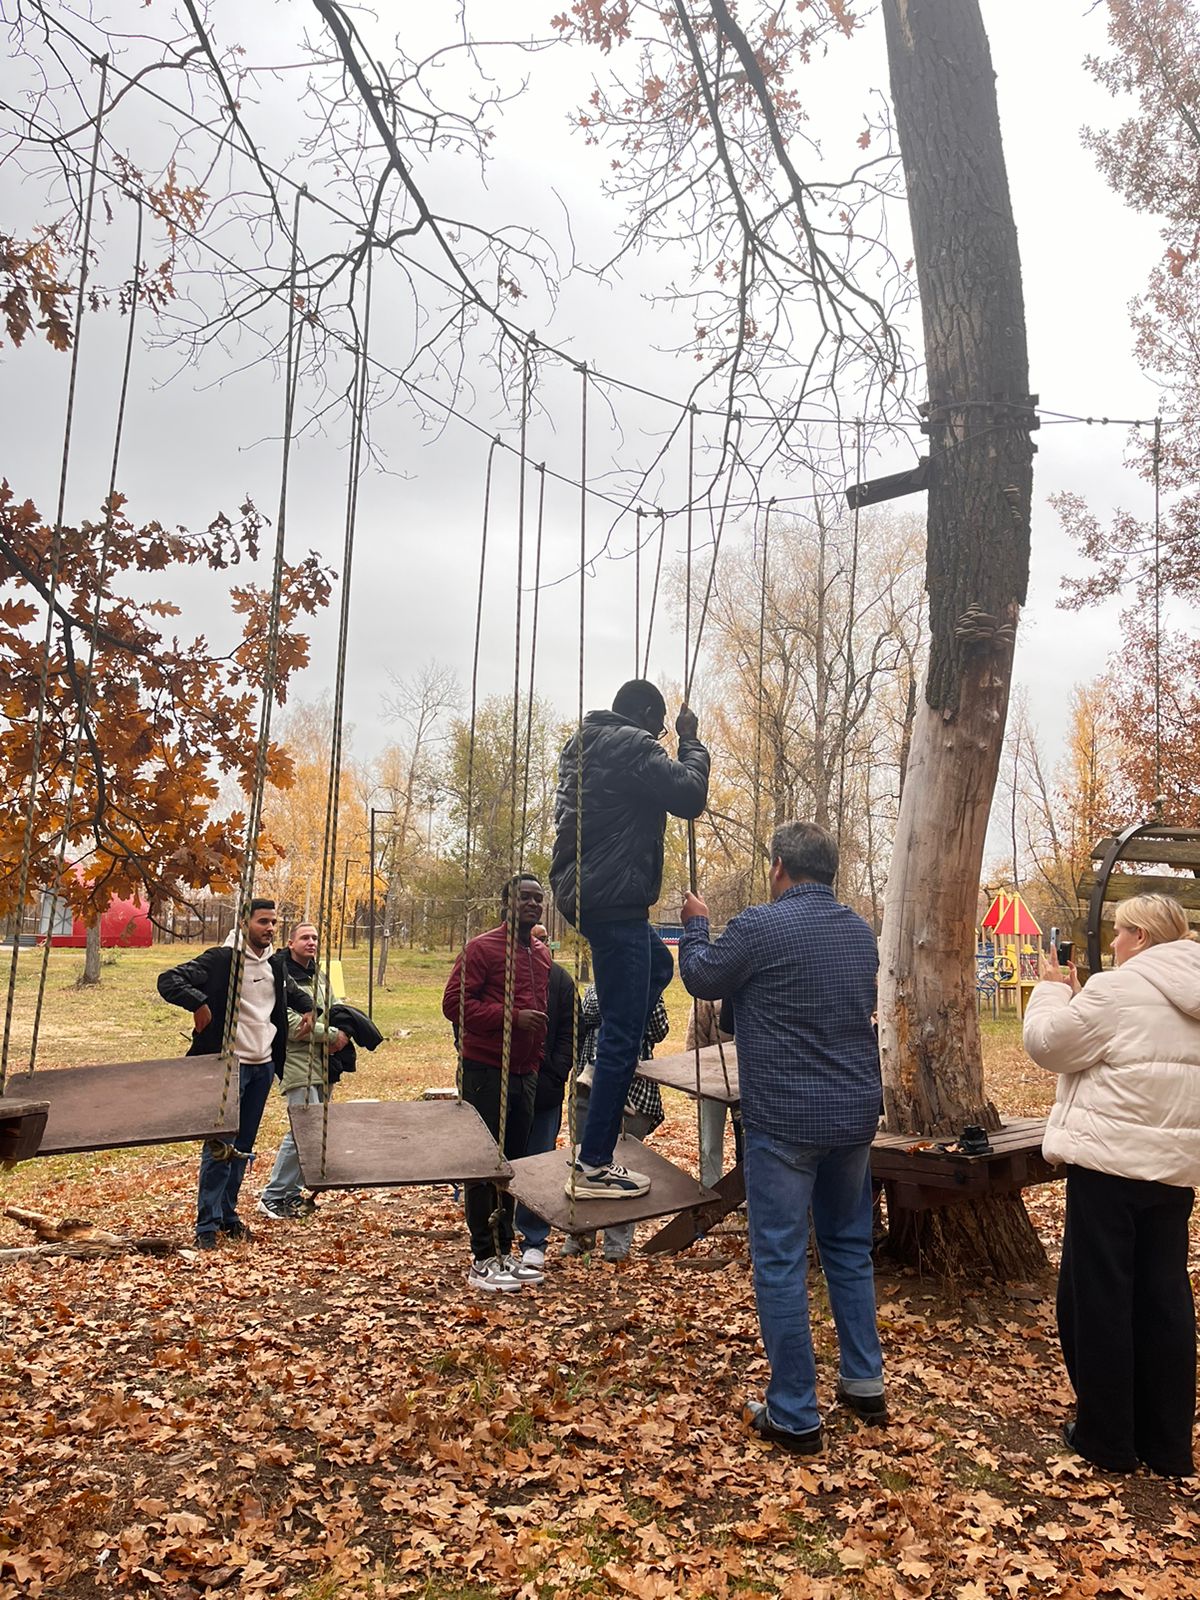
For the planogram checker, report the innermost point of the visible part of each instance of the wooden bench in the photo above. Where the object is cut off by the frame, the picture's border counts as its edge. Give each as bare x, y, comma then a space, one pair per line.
918, 1177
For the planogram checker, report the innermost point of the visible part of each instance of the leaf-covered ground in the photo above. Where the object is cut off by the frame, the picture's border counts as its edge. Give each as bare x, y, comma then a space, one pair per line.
328, 1412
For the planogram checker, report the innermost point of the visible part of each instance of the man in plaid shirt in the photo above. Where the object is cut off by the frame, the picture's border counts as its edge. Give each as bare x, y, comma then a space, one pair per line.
801, 973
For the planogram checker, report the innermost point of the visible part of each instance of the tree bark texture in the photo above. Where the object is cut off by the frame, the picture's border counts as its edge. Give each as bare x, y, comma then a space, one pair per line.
91, 957
977, 564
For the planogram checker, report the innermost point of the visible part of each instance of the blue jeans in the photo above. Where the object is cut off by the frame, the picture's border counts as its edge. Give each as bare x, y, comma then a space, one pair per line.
221, 1181
631, 967
543, 1136
782, 1181
286, 1180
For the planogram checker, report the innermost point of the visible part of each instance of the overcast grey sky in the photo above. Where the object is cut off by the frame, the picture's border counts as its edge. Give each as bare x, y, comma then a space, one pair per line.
199, 439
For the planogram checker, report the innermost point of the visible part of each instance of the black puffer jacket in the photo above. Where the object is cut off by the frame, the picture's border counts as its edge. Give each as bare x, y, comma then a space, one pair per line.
629, 785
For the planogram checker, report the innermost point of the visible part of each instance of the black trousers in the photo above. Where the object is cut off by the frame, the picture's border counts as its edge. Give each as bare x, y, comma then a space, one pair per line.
1127, 1321
481, 1089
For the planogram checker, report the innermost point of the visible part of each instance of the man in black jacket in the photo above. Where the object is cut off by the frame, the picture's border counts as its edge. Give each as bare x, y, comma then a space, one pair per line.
629, 786
554, 1071
203, 987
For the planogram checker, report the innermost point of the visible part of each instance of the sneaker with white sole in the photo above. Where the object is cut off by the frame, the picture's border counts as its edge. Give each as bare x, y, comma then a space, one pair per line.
604, 1183
493, 1276
533, 1257
524, 1270
276, 1213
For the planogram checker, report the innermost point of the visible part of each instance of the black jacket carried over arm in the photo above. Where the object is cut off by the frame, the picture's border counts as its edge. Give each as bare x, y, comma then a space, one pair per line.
630, 784
561, 1033
206, 982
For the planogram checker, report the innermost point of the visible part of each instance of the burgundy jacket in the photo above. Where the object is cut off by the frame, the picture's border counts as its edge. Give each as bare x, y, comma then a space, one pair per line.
483, 1034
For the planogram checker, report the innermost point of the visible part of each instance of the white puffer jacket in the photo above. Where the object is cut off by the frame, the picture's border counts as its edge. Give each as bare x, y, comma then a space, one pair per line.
1127, 1051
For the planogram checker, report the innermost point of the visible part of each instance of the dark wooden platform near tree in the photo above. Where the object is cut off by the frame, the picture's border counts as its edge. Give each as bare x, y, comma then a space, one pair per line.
22, 1123
679, 1072
386, 1144
120, 1105
539, 1182
920, 1178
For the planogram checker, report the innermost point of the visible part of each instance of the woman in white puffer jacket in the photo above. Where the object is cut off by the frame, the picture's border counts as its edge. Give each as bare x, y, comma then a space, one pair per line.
1126, 1122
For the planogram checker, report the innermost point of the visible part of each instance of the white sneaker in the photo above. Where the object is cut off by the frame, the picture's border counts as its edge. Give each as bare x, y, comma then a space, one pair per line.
532, 1257
276, 1213
525, 1270
604, 1183
493, 1276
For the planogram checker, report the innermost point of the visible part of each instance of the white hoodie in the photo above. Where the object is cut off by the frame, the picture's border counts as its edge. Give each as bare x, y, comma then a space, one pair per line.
1127, 1051
255, 1030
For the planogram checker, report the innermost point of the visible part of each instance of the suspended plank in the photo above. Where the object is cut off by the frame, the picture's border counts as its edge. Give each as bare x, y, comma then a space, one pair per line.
22, 1123
679, 1072
385, 1144
539, 1183
683, 1230
120, 1105
1124, 885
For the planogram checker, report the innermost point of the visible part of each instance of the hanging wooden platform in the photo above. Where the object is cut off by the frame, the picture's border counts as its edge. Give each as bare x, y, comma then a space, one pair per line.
386, 1144
22, 1123
539, 1183
679, 1072
119, 1105
927, 1178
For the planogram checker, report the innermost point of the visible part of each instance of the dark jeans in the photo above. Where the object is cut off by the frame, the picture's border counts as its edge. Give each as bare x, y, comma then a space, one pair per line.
543, 1136
1127, 1322
631, 967
221, 1181
481, 1089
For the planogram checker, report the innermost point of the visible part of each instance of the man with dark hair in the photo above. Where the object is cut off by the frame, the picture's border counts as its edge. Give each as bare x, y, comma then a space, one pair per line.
241, 966
474, 1002
629, 785
801, 974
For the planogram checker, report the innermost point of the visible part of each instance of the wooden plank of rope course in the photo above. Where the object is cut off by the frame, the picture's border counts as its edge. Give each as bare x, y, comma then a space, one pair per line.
120, 1105
683, 1230
920, 1178
22, 1123
679, 1072
386, 1144
539, 1182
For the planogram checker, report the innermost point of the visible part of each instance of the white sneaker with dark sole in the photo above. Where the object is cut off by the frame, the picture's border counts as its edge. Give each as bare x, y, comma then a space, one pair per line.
604, 1183
493, 1277
524, 1270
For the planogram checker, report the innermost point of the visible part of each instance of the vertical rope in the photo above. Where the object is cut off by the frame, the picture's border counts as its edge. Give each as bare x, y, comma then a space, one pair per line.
329, 843
516, 842
573, 1089
233, 1005
662, 539
637, 594
462, 977
757, 854
52, 598
85, 685
1157, 454
533, 638
848, 687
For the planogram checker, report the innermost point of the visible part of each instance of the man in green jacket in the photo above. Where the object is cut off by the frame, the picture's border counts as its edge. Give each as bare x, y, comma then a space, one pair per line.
305, 1067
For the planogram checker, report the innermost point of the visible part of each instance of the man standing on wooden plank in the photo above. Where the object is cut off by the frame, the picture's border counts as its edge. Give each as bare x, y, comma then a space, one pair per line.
801, 975
629, 785
203, 987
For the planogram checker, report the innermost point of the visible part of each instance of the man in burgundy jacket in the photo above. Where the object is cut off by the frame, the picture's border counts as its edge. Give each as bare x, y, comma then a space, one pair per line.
474, 1004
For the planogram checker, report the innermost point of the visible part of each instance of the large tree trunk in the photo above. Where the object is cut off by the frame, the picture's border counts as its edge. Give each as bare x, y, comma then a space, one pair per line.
968, 270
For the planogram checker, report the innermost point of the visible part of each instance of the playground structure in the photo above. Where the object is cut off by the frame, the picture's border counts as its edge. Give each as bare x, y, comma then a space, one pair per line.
1006, 953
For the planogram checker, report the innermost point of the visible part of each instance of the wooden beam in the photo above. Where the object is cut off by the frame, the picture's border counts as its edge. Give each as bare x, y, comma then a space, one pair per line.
1124, 885
1155, 852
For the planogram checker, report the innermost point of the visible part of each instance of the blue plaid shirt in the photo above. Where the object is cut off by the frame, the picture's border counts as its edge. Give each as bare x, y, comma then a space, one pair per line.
801, 973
